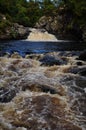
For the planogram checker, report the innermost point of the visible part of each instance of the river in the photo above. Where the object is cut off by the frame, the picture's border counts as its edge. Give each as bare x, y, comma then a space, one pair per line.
45, 90
24, 47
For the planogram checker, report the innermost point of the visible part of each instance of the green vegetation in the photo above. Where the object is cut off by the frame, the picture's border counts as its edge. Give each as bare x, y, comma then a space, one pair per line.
27, 13
78, 8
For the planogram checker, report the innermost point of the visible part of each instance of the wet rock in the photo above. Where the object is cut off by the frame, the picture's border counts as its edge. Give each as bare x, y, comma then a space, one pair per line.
49, 60
40, 112
15, 55
6, 95
42, 97
82, 72
81, 82
78, 70
79, 63
84, 33
82, 56
34, 56
37, 82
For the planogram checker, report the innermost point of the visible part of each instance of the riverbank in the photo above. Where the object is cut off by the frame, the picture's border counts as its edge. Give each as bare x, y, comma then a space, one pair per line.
14, 32
47, 90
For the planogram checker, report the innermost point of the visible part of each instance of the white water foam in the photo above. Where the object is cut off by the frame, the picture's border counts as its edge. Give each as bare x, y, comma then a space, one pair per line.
38, 35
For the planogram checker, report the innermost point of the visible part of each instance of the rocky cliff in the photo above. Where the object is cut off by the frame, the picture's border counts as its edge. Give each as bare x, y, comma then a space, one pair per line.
62, 25
10, 30
13, 31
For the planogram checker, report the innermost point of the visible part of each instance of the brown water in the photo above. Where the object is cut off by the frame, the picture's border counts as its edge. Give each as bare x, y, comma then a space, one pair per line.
42, 84
43, 92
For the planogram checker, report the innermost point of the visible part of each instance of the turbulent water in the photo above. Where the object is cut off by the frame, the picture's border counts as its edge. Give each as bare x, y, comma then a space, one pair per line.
42, 84
38, 35
43, 91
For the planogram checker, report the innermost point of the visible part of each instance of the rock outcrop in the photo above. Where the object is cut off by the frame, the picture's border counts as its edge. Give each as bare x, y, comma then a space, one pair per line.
15, 31
61, 25
82, 56
84, 33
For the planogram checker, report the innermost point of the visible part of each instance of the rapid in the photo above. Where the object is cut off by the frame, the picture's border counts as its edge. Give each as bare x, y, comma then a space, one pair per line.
43, 91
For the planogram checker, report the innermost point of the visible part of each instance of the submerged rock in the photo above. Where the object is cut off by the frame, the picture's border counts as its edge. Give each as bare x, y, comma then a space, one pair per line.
50, 60
39, 111
83, 56
50, 97
6, 95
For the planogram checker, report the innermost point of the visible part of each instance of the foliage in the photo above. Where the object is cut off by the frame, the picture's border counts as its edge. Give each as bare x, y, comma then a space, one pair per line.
27, 13
4, 24
78, 8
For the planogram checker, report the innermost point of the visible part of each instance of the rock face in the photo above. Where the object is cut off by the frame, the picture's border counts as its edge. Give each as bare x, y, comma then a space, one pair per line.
84, 33
48, 23
60, 25
20, 32
82, 56
16, 31
47, 97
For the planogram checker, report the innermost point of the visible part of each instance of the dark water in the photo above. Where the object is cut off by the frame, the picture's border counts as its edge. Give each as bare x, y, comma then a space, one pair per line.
24, 47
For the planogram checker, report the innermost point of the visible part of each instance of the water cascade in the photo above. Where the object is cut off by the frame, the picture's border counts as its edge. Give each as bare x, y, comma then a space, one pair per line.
39, 35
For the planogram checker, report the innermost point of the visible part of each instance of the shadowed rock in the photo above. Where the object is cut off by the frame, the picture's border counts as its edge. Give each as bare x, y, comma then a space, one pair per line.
6, 95
42, 97
49, 60
83, 56
38, 112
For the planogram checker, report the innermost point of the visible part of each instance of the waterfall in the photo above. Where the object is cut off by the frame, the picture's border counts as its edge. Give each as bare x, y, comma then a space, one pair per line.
39, 35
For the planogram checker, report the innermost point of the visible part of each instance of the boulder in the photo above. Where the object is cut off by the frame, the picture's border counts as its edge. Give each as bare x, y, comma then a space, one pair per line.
48, 23
50, 60
7, 95
82, 56
19, 31
15, 31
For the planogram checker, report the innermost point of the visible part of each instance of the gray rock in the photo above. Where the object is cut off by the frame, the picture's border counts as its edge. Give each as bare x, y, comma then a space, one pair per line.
61, 25
15, 32
19, 31
47, 23
82, 56
6, 95
49, 60
84, 34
